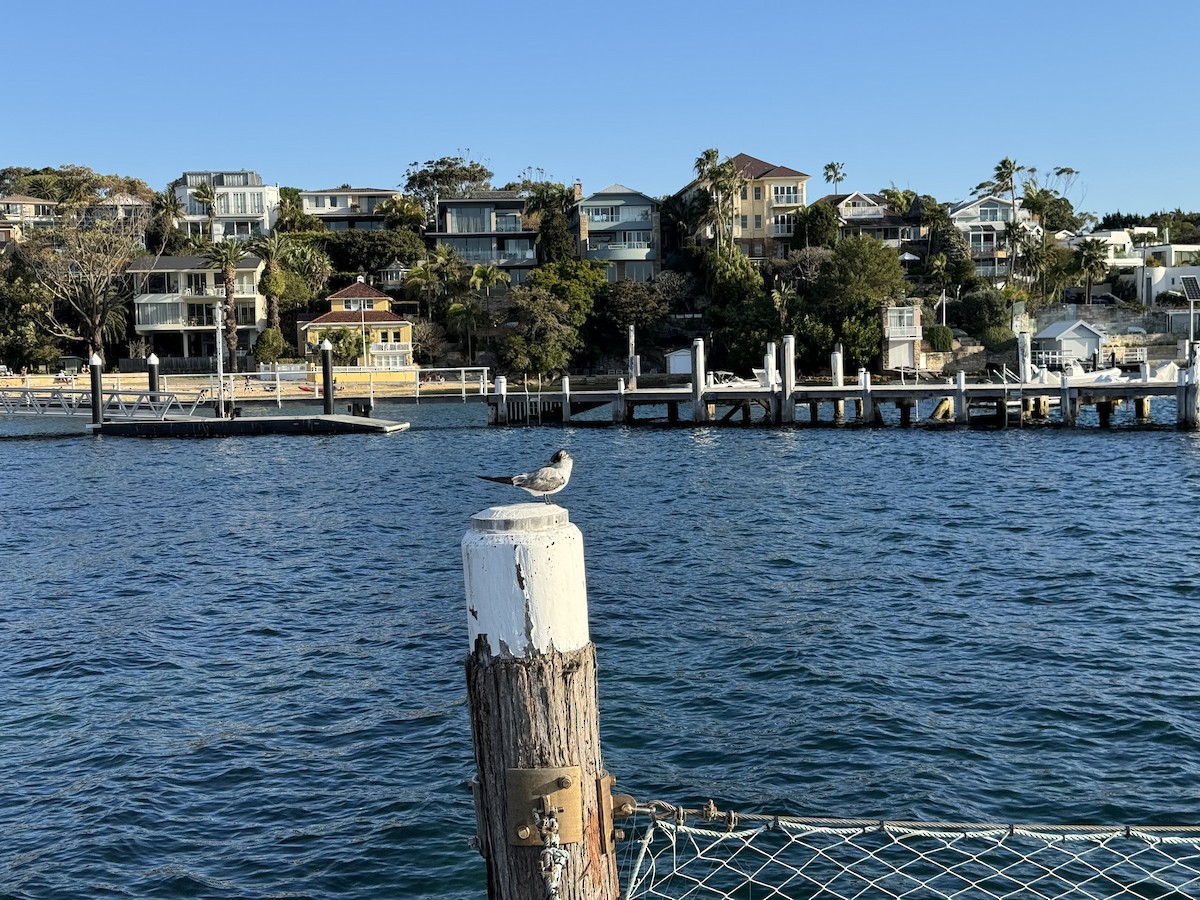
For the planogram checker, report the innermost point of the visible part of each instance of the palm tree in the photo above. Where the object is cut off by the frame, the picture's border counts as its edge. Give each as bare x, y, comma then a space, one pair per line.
226, 256
423, 281
1091, 258
169, 209
835, 174
710, 177
782, 299
274, 251
465, 316
206, 195
934, 217
399, 211
312, 265
484, 278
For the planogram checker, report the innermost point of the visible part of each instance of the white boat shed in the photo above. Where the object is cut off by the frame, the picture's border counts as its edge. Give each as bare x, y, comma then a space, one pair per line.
1068, 341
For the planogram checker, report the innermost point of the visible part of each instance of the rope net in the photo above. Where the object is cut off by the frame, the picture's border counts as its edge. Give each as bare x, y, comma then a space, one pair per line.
679, 853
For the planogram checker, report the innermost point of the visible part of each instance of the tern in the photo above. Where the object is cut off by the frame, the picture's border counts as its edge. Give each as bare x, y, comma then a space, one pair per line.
542, 482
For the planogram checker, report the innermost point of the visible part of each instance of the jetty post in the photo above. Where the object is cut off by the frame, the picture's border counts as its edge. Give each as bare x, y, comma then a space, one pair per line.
962, 415
632, 361
770, 364
543, 799
619, 411
327, 374
838, 380
1066, 409
788, 410
699, 377
95, 369
566, 398
152, 374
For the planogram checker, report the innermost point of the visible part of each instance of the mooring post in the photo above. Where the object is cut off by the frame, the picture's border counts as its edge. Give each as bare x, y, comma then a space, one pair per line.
788, 409
867, 413
837, 380
566, 399
327, 374
1065, 410
962, 415
699, 408
96, 366
152, 375
618, 406
542, 796
632, 360
501, 413
770, 365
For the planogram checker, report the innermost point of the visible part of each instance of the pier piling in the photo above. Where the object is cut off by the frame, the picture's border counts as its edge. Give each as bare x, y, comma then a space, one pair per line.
699, 408
96, 370
542, 796
327, 374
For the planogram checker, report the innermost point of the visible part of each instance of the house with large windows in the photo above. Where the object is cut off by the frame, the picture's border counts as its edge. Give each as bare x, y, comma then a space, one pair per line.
983, 222
620, 227
488, 227
345, 208
764, 212
175, 300
245, 207
21, 212
870, 215
385, 338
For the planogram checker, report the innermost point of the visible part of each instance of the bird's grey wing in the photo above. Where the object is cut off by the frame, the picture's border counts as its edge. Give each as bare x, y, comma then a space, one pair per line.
546, 478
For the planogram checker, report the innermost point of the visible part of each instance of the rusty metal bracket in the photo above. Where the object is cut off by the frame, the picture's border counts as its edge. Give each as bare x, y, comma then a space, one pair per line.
533, 793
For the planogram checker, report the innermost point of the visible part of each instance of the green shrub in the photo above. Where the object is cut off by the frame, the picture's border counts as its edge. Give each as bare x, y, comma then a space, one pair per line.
269, 346
998, 339
940, 338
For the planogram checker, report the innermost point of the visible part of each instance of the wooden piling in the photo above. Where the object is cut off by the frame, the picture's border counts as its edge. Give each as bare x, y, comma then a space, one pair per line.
788, 409
1066, 410
1104, 411
542, 795
699, 408
838, 380
500, 411
618, 404
566, 398
962, 415
1141, 408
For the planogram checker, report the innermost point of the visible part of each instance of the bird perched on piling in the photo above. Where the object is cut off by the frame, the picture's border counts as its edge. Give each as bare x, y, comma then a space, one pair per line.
542, 482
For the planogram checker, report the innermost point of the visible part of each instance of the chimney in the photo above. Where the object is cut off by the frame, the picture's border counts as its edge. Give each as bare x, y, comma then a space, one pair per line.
578, 190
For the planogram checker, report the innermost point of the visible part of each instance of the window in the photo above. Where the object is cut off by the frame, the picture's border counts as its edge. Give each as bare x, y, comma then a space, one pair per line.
318, 202
508, 222
743, 193
223, 204
639, 271
901, 317
635, 238
239, 204
200, 314
197, 283
758, 192
256, 203
468, 219
602, 213
233, 179
333, 201
745, 221
635, 214
757, 222
787, 194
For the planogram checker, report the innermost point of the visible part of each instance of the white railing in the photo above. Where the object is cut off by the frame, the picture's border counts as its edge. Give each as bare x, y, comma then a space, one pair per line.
786, 199
783, 230
392, 347
861, 212
903, 332
71, 401
1052, 359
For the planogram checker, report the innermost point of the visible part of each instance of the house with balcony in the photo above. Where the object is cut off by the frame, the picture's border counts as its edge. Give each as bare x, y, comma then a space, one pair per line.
983, 222
346, 208
245, 207
28, 212
175, 299
620, 227
385, 337
902, 338
764, 212
870, 215
488, 227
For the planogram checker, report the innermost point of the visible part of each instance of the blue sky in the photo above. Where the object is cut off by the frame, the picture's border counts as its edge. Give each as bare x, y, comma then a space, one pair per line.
314, 95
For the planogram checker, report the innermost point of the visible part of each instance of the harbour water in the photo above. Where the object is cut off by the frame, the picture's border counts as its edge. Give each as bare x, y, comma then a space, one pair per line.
233, 667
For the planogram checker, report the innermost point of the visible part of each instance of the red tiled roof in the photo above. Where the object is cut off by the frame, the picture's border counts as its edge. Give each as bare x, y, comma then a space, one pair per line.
357, 317
357, 290
756, 168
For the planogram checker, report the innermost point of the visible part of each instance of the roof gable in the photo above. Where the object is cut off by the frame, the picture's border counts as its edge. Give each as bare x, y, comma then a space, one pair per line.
755, 168
358, 290
1066, 327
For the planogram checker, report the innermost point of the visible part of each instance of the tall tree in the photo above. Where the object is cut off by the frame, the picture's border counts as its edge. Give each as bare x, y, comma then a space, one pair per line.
81, 268
485, 277
835, 174
312, 265
226, 256
1091, 259
206, 195
274, 251
448, 177
554, 240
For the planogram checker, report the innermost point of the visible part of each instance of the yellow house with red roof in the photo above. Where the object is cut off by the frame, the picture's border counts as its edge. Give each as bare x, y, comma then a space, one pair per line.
385, 337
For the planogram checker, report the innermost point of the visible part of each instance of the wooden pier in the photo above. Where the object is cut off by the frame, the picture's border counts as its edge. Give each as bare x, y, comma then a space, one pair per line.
778, 400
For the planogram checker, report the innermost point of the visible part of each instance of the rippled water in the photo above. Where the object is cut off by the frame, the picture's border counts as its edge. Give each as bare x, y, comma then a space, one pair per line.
233, 668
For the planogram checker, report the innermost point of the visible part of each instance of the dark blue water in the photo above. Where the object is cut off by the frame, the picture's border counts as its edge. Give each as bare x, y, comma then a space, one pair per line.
233, 668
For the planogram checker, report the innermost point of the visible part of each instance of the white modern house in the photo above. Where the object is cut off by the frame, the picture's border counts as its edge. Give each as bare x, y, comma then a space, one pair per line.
619, 226
345, 208
983, 222
245, 207
175, 304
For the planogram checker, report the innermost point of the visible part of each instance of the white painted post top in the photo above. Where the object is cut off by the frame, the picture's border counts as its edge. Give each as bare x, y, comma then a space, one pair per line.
524, 577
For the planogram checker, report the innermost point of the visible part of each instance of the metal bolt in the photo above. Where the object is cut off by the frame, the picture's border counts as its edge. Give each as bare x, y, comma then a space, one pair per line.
619, 834
524, 832
564, 781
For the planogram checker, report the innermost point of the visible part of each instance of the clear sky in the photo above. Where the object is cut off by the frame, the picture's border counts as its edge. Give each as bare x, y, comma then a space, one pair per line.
927, 95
